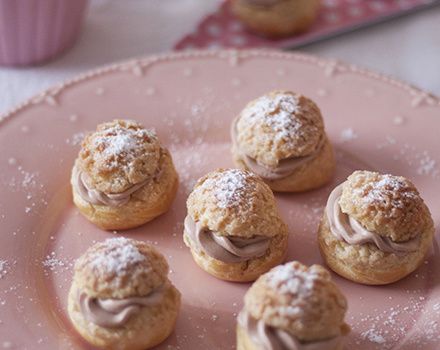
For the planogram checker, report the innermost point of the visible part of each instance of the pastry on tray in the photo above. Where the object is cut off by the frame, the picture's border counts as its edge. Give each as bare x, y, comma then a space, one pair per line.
121, 297
376, 229
280, 136
276, 18
123, 177
233, 227
293, 307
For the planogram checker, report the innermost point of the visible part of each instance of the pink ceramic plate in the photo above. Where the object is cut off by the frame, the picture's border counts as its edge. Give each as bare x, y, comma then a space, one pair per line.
190, 99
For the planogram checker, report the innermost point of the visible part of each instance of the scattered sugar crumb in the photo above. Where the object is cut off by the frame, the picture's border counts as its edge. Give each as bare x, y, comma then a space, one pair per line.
73, 118
398, 120
373, 336
4, 267
389, 140
76, 138
192, 160
427, 165
348, 134
29, 179
54, 263
387, 327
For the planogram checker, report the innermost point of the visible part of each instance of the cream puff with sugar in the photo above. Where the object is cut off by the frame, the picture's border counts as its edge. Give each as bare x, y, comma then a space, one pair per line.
293, 307
121, 297
123, 177
233, 227
376, 228
280, 136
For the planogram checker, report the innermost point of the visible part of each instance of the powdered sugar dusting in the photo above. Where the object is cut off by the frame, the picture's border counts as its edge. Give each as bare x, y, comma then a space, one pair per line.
348, 134
422, 161
76, 138
288, 279
56, 264
385, 191
3, 268
117, 142
230, 187
386, 328
278, 113
373, 336
116, 256
427, 165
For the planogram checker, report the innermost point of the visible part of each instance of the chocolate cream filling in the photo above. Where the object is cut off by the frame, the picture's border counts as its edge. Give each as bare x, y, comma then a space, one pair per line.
114, 313
349, 230
270, 338
94, 196
227, 249
286, 167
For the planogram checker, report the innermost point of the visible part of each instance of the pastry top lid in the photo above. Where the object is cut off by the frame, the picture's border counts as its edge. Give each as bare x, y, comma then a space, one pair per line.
118, 155
385, 204
279, 125
120, 268
235, 202
301, 300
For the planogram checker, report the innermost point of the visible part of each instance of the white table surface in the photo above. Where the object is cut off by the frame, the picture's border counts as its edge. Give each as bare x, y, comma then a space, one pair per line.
407, 48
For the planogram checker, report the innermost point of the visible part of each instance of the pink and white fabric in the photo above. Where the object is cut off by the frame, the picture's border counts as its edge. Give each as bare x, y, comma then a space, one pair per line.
221, 29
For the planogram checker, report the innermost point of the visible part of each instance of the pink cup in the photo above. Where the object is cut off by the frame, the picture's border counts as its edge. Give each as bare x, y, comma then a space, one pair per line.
34, 31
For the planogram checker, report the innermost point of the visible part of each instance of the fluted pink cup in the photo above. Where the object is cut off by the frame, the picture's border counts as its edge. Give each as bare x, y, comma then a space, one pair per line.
33, 31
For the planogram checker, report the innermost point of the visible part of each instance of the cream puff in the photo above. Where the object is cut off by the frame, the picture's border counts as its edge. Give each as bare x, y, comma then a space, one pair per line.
121, 297
123, 177
293, 307
280, 137
376, 229
233, 227
276, 18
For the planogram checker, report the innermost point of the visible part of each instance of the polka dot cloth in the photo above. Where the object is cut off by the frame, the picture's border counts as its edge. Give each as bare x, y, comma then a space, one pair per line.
222, 30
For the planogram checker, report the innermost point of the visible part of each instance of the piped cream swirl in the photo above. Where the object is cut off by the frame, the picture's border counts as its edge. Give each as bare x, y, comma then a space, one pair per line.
286, 167
271, 338
94, 196
349, 230
114, 313
226, 249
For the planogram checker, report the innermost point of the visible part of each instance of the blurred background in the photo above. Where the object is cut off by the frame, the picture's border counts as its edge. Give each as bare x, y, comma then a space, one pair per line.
406, 47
